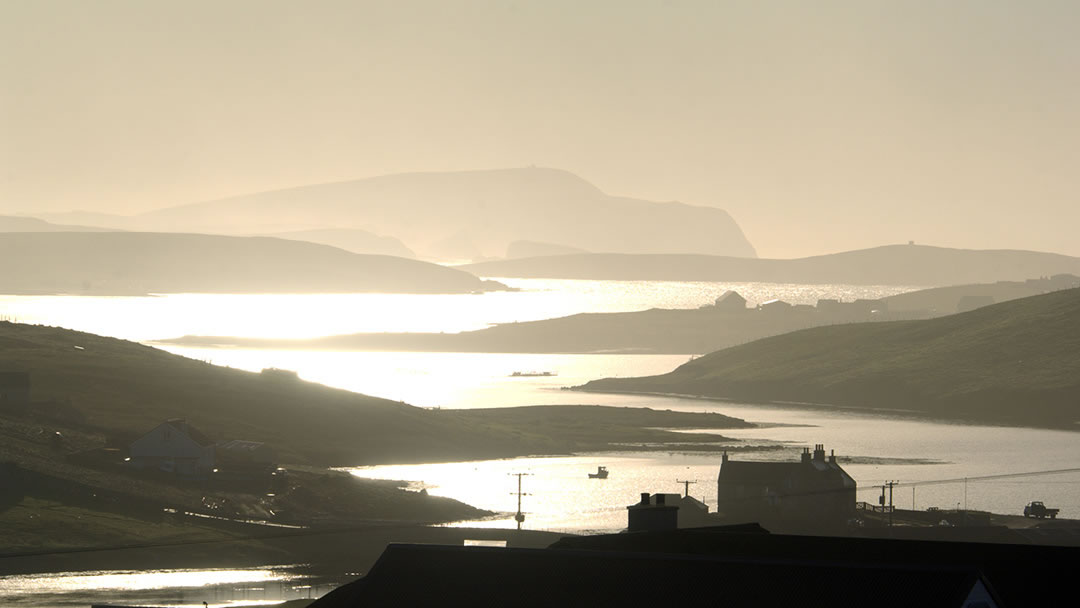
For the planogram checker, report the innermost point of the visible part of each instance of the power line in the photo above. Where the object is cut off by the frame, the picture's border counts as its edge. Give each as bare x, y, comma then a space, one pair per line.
392, 524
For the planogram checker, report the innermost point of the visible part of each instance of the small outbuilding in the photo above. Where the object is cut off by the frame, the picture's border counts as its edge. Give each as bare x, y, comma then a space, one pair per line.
730, 301
174, 446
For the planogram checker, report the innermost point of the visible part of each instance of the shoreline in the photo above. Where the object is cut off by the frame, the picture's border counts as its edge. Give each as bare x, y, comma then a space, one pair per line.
807, 405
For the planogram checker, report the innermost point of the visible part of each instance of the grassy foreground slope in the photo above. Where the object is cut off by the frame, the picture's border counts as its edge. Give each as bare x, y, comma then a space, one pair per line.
123, 389
1012, 363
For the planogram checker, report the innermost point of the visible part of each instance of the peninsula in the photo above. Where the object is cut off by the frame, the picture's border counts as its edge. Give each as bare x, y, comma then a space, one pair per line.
134, 263
914, 265
1013, 363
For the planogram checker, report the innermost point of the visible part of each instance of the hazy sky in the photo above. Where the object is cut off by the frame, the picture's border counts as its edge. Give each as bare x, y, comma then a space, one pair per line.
819, 125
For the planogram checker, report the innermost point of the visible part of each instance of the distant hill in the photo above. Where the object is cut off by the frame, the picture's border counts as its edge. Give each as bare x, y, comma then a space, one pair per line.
356, 241
468, 215
1012, 363
679, 331
13, 223
961, 298
889, 265
532, 249
136, 263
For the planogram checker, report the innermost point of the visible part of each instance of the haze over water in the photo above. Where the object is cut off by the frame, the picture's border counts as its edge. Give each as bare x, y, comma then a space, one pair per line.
565, 498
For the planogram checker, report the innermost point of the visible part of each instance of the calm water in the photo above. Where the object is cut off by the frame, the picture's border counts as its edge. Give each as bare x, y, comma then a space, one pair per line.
181, 588
305, 316
913, 452
563, 498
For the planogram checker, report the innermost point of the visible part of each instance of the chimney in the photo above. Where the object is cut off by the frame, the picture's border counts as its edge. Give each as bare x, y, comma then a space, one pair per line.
832, 456
806, 454
819, 452
723, 458
644, 498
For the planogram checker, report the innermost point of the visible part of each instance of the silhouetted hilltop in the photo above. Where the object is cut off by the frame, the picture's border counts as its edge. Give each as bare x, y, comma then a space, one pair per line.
14, 223
532, 249
727, 322
477, 212
939, 301
137, 263
1011, 363
356, 241
888, 265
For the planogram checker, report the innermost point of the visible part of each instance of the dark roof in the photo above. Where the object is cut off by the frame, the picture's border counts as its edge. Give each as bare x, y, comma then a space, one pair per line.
1020, 574
14, 380
732, 297
415, 575
195, 434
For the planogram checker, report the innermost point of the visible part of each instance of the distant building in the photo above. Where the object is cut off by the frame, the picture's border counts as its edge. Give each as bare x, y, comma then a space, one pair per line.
14, 390
667, 512
652, 513
813, 490
774, 306
174, 446
280, 374
730, 301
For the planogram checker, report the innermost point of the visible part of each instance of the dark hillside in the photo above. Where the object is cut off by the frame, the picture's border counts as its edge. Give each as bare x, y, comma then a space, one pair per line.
1012, 363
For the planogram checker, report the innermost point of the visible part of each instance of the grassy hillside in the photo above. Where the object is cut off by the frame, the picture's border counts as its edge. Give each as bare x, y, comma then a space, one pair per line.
124, 389
1014, 363
125, 263
889, 265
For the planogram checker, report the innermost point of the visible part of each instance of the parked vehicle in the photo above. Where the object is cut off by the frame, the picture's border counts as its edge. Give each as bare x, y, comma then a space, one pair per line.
1038, 509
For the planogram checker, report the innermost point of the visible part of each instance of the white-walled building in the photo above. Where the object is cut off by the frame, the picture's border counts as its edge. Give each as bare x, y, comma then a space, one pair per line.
174, 446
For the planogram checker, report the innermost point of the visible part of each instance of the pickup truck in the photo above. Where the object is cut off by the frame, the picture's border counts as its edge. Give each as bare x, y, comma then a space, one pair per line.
1038, 509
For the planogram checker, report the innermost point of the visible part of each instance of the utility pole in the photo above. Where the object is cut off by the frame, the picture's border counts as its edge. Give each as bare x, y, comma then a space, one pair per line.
519, 517
686, 485
890, 484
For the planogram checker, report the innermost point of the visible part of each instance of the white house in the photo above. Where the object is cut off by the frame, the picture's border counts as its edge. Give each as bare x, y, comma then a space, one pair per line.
174, 446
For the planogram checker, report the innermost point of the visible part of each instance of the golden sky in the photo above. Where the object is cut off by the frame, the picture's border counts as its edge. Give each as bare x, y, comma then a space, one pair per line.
820, 126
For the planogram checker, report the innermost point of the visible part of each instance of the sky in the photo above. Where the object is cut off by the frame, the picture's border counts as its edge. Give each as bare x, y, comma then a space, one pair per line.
820, 126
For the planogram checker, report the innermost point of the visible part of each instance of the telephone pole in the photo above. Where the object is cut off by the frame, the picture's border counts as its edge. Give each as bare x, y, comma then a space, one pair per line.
686, 485
890, 484
519, 517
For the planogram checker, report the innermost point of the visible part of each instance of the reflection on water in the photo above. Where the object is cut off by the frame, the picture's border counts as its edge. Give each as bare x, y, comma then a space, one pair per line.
269, 585
565, 499
454, 380
312, 315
